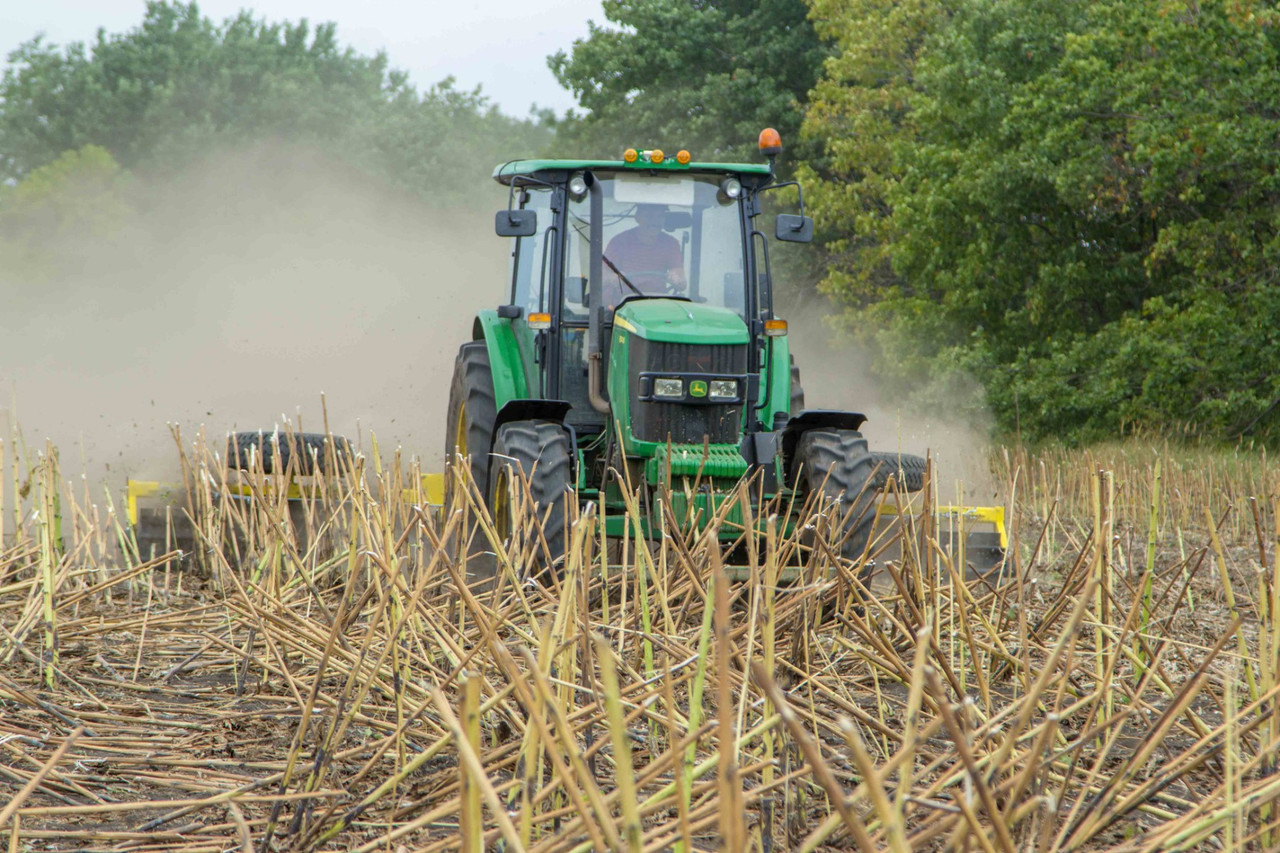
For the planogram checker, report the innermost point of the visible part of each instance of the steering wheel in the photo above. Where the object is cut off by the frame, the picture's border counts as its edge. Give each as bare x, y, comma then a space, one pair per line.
640, 278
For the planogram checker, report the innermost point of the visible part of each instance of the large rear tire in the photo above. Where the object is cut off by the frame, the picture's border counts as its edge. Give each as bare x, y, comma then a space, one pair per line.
314, 451
838, 465
471, 415
539, 452
906, 469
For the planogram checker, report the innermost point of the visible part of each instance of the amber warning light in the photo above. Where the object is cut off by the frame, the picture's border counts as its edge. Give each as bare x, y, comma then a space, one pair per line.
770, 142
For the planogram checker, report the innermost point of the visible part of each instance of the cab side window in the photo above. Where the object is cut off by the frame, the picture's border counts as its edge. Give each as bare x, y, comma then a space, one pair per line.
527, 290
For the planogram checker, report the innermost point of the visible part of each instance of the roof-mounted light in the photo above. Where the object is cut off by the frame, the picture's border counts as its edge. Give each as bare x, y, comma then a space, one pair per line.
770, 142
656, 156
731, 189
630, 155
682, 157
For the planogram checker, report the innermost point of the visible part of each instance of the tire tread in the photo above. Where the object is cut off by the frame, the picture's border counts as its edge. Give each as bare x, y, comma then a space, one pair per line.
907, 469
838, 463
473, 384
541, 451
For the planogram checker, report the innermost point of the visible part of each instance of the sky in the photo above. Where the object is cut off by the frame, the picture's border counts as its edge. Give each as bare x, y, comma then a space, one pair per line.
500, 45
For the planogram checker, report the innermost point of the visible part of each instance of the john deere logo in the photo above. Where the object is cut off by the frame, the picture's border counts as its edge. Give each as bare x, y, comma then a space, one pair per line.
697, 388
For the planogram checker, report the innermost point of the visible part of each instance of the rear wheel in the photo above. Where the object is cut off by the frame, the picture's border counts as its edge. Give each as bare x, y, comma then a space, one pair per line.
906, 469
472, 413
314, 452
536, 452
838, 465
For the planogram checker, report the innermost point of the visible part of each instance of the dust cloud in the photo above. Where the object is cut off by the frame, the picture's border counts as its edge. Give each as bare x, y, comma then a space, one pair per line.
239, 291
836, 375
235, 294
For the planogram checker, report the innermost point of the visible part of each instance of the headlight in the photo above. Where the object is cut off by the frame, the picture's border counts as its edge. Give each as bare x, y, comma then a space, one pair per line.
731, 189
671, 389
724, 389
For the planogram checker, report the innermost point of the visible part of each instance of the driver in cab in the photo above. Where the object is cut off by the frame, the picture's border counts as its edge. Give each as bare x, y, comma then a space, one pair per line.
643, 261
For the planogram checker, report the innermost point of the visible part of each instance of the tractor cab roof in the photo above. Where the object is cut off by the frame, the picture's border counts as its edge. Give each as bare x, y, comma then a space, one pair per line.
513, 170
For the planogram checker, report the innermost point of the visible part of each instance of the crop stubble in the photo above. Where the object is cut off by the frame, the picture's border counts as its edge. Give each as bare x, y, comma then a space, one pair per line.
332, 682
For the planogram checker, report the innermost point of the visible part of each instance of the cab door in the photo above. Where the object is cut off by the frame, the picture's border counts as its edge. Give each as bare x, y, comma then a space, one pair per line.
531, 259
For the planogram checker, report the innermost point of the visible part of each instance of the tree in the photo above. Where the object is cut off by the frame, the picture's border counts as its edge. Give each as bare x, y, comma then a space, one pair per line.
82, 194
1075, 202
706, 75
180, 86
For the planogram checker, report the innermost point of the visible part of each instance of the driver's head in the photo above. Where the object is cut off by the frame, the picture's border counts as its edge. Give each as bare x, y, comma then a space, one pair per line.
650, 215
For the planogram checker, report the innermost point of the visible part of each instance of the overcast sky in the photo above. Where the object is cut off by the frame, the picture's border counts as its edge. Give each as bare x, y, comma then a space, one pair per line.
501, 45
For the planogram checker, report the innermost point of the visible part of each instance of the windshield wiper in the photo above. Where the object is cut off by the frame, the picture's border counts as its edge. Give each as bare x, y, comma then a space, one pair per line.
622, 278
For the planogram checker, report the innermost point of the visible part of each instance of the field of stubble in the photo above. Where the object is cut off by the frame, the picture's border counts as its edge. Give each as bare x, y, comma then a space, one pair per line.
328, 679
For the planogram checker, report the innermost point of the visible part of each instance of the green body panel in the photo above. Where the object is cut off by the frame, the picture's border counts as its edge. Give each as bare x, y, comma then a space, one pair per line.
778, 363
722, 461
671, 321
691, 511
695, 510
679, 322
504, 173
617, 381
504, 358
525, 339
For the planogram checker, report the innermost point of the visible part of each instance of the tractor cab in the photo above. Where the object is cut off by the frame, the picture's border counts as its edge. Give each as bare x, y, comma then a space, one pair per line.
597, 240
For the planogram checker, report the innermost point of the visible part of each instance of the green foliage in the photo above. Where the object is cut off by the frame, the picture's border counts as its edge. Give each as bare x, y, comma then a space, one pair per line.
81, 194
79, 191
180, 86
706, 75
859, 112
1075, 202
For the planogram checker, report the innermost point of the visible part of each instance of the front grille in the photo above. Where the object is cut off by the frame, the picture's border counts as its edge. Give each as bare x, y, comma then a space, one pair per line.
683, 423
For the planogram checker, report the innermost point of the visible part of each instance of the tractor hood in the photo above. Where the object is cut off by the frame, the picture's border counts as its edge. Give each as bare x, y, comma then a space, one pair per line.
679, 321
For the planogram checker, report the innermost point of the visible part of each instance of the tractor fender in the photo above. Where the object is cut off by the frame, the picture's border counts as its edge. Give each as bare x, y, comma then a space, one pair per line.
814, 419
542, 410
529, 410
505, 360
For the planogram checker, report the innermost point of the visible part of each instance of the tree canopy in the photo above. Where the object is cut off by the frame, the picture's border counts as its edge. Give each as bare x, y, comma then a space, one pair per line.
180, 85
706, 75
1074, 202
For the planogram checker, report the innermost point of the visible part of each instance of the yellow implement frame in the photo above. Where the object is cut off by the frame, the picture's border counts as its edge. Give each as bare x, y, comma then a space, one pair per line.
964, 518
140, 490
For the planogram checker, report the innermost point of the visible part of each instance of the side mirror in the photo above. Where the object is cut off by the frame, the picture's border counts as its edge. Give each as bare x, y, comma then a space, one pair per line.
794, 229
516, 223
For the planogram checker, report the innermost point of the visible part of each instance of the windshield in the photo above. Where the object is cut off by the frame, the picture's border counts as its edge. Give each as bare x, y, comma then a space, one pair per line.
676, 235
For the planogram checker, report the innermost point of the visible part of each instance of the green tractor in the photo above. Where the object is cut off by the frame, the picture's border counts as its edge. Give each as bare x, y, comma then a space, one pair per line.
638, 347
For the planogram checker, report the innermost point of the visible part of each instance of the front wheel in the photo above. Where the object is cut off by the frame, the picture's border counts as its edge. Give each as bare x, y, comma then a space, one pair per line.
537, 453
